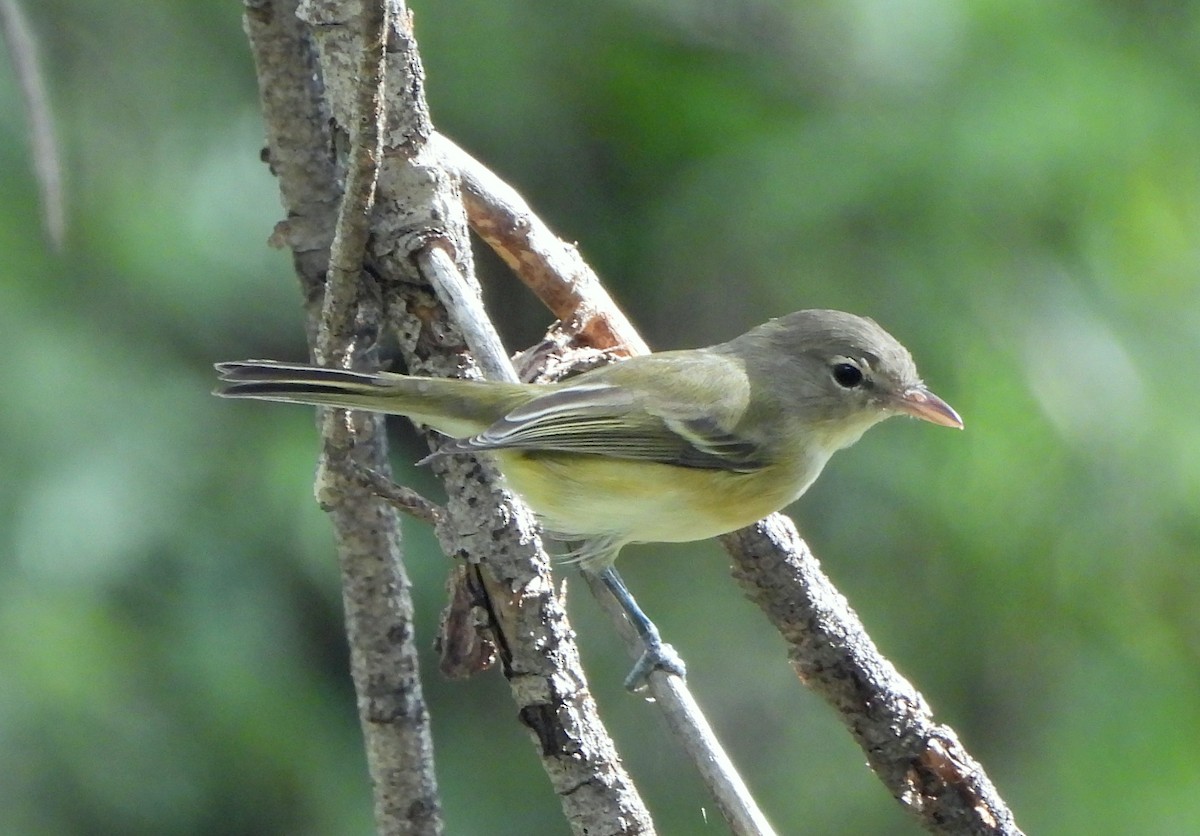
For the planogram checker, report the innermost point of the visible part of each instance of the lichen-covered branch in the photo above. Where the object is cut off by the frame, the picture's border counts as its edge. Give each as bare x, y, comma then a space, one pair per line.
921, 762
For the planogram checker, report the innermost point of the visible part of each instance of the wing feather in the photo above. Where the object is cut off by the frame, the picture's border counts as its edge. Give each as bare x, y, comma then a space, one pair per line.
668, 414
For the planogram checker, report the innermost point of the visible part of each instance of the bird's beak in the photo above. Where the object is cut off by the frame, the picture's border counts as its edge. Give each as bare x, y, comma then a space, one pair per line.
919, 402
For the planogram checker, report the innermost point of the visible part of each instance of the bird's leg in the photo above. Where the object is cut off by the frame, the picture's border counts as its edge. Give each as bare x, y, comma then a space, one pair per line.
656, 654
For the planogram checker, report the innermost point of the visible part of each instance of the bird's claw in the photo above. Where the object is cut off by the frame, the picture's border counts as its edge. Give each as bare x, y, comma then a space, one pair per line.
657, 656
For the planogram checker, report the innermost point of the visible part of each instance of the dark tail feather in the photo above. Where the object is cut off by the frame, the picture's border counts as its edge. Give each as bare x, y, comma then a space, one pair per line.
274, 390
453, 407
299, 383
271, 371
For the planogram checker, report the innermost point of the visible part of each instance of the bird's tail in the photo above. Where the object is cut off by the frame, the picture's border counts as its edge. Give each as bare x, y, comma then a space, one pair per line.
451, 406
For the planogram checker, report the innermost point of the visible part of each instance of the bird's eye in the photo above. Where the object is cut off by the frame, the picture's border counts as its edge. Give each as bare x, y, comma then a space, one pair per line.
847, 375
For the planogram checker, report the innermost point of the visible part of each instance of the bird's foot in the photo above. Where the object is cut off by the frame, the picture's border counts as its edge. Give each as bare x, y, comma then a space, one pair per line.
658, 656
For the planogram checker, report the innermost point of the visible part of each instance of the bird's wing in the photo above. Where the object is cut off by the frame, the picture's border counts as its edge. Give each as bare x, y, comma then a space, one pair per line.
672, 415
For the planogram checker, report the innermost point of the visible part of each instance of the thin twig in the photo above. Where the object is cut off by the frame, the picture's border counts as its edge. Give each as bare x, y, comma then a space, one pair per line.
690, 727
471, 318
923, 764
22, 51
403, 499
362, 171
558, 275
466, 309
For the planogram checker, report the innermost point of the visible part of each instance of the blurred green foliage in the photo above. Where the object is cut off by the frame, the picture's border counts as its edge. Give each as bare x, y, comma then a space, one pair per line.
1012, 188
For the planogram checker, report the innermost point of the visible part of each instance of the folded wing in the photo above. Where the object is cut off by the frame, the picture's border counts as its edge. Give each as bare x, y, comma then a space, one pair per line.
674, 411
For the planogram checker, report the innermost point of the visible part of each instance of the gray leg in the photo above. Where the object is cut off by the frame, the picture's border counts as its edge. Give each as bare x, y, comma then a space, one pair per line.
656, 655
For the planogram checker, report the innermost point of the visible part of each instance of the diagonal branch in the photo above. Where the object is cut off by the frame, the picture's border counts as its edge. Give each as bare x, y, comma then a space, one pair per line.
670, 693
922, 763
557, 274
692, 731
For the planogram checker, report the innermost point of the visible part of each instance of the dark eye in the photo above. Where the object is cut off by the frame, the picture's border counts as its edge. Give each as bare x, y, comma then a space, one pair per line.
847, 375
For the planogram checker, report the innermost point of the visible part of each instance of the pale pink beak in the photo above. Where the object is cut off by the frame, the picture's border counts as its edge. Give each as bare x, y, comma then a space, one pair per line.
919, 402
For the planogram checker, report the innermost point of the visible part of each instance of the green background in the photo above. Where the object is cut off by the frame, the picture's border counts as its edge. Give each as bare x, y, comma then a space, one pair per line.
1012, 188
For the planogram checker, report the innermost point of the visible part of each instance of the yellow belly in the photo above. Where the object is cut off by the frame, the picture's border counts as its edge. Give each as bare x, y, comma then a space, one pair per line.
633, 502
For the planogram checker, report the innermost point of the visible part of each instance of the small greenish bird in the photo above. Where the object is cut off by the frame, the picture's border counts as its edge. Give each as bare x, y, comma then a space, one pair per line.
673, 446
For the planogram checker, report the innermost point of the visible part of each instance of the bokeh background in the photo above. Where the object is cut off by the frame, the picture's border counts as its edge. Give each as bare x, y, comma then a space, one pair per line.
1012, 188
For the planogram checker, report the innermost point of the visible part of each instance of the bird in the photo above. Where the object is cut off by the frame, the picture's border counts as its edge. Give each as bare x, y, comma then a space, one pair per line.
672, 446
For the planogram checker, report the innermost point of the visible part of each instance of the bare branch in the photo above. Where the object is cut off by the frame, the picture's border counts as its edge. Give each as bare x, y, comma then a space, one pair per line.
417, 207
923, 764
337, 336
597, 798
403, 499
550, 267
466, 308
690, 727
375, 587
670, 692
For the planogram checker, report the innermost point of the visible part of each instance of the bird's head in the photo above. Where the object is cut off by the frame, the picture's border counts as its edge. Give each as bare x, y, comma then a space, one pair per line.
840, 374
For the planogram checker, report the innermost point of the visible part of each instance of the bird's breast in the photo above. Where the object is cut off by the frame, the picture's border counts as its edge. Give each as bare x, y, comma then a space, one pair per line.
583, 496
